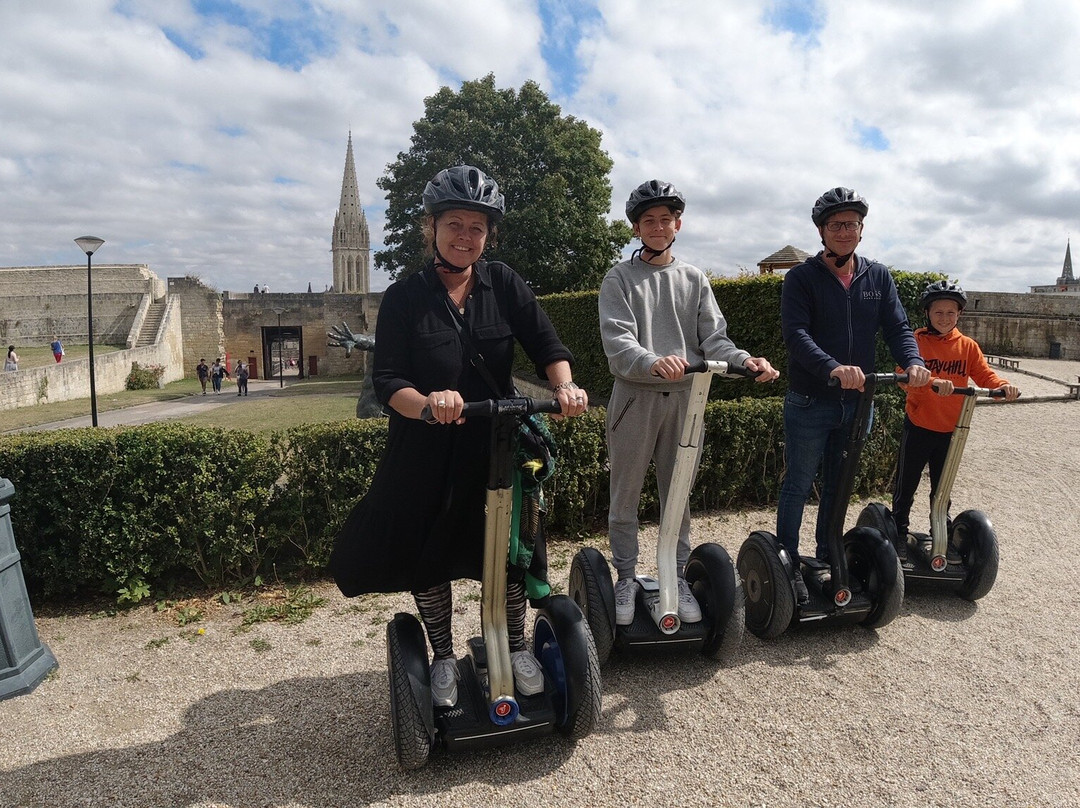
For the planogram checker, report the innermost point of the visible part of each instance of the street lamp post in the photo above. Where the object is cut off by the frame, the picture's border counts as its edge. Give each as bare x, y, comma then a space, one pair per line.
89, 245
280, 364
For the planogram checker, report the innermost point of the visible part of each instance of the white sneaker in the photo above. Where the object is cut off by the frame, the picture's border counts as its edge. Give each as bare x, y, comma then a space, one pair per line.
444, 675
625, 594
689, 610
528, 675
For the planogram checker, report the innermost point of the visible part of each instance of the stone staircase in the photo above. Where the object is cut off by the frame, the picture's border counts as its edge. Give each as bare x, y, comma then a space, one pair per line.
147, 334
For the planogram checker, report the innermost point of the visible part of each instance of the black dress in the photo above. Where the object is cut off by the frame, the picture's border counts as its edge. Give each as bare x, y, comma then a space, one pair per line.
422, 521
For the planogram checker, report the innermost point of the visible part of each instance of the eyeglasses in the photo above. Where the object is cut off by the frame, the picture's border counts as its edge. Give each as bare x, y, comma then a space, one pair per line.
836, 227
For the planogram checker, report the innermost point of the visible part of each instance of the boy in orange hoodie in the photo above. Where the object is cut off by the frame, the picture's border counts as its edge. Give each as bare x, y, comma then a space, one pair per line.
931, 411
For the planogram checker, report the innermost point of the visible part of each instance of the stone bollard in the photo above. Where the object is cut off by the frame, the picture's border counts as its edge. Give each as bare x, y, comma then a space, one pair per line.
24, 659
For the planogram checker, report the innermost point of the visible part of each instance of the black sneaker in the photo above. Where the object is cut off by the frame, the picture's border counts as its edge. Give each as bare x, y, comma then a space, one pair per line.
901, 545
802, 595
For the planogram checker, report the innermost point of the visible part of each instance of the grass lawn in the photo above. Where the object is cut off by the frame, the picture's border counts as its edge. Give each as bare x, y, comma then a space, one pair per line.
73, 408
35, 356
301, 402
279, 412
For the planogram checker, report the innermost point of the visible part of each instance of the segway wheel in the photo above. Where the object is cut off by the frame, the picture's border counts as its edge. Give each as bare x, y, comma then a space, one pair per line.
872, 561
406, 660
770, 599
878, 517
593, 592
974, 538
717, 586
563, 643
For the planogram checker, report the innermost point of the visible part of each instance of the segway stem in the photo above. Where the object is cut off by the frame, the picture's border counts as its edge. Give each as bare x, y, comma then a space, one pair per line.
939, 508
849, 469
493, 602
502, 705
665, 609
504, 413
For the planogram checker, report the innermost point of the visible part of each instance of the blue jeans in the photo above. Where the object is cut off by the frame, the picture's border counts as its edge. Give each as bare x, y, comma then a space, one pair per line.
815, 432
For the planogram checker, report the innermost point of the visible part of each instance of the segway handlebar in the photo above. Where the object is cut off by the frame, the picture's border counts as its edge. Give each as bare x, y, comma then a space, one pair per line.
519, 405
702, 366
977, 391
878, 378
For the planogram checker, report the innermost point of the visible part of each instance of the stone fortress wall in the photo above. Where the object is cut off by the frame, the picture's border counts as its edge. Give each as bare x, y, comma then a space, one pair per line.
204, 335
1024, 324
38, 303
247, 317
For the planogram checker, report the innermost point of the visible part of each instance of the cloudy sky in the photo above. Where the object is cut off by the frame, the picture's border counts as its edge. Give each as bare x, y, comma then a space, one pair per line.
208, 137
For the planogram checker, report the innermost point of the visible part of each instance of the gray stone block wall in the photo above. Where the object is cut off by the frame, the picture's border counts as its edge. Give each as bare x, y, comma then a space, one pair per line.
204, 334
246, 315
1017, 324
37, 303
71, 378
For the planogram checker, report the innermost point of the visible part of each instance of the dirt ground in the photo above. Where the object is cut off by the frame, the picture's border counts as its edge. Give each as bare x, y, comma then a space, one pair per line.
953, 704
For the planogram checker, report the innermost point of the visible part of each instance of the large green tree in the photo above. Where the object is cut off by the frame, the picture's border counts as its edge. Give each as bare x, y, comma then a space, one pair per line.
549, 166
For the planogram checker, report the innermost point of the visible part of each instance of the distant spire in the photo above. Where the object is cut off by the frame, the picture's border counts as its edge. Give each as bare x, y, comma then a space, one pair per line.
350, 190
1066, 270
351, 240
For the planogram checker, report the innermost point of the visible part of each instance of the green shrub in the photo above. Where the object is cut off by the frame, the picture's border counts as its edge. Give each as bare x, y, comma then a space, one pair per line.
138, 511
326, 468
144, 377
751, 306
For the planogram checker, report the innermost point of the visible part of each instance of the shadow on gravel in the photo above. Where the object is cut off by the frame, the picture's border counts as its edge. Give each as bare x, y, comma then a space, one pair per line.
814, 646
936, 603
636, 685
320, 742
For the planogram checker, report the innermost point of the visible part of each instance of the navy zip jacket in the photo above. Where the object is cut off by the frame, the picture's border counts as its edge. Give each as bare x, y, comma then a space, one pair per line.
825, 325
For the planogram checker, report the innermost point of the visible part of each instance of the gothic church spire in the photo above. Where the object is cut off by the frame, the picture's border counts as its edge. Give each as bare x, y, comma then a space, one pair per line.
1066, 270
351, 240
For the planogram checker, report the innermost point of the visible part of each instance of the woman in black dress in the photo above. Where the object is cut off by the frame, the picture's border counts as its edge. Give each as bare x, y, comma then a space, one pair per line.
421, 524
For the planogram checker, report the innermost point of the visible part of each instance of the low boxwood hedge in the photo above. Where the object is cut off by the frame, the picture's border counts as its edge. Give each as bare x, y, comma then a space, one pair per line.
140, 511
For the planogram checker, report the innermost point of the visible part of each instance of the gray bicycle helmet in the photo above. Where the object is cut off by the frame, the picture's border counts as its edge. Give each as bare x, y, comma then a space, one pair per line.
652, 193
836, 200
464, 188
942, 290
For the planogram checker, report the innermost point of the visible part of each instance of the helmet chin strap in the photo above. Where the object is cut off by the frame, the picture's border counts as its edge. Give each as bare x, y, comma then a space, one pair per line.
440, 259
644, 248
841, 259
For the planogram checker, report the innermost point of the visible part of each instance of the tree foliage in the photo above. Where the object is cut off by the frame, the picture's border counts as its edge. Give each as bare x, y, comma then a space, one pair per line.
550, 167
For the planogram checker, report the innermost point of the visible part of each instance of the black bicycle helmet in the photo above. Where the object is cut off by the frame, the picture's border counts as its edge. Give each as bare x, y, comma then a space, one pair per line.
836, 200
943, 290
464, 188
652, 193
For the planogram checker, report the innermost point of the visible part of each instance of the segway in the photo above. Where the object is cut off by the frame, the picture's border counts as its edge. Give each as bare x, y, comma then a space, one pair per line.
488, 711
709, 571
861, 583
962, 554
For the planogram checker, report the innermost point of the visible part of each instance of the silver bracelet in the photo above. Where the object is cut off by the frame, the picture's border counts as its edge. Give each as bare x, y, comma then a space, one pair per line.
567, 385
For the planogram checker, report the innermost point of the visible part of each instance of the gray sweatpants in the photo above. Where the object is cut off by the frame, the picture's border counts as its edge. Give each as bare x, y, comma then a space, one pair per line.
643, 425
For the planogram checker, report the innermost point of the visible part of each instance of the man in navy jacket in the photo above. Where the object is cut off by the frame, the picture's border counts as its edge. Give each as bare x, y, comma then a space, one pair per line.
831, 309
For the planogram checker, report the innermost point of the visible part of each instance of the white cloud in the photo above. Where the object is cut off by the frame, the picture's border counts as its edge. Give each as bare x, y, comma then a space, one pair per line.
229, 165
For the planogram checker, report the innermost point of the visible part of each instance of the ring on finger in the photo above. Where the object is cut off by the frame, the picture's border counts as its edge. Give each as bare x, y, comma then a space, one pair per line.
442, 403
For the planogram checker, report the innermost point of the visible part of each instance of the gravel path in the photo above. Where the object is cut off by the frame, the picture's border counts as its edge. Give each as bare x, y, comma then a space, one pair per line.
952, 704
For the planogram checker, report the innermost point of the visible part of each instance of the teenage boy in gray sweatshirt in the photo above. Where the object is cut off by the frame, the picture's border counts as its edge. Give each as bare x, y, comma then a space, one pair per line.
657, 316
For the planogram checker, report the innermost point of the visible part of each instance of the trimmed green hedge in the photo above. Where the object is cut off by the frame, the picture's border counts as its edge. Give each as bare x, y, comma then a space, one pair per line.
139, 511
751, 306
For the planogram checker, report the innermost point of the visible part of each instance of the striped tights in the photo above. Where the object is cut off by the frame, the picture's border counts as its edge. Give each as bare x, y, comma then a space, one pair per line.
436, 608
